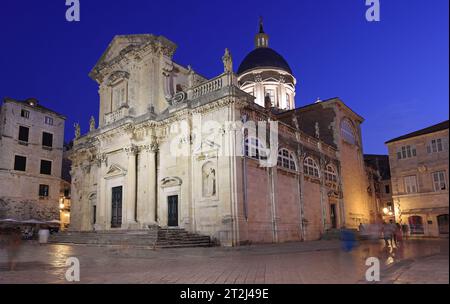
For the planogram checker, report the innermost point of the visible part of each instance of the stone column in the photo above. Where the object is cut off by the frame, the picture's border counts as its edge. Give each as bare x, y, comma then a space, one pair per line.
151, 215
130, 204
142, 186
102, 220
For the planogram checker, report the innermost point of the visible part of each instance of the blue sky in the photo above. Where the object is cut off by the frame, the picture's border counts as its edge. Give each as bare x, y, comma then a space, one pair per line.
394, 72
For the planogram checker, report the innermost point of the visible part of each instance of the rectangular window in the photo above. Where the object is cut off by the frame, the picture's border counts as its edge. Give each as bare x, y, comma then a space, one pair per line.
43, 190
406, 152
23, 134
411, 184
46, 167
48, 121
118, 96
437, 145
387, 189
47, 139
20, 163
439, 181
25, 114
288, 101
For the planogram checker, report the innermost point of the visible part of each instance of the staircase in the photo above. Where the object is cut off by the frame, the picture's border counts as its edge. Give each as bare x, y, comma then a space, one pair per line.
155, 237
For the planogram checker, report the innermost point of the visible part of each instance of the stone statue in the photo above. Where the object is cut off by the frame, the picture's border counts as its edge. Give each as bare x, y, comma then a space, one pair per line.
77, 130
227, 62
209, 180
317, 130
92, 124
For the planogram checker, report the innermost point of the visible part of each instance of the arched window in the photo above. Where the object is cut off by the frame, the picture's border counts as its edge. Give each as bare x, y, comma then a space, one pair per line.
348, 132
330, 174
310, 167
254, 149
286, 159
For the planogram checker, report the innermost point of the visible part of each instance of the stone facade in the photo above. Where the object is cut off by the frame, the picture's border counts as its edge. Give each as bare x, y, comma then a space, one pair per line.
22, 126
419, 169
176, 150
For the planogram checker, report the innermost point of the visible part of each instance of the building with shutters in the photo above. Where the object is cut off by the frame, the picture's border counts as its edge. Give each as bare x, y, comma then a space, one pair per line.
419, 176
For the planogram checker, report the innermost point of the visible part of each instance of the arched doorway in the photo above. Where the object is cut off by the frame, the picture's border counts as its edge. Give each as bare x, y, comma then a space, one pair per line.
416, 224
443, 223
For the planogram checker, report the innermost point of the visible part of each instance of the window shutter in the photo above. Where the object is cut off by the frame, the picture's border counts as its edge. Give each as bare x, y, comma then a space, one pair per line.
428, 149
414, 153
399, 155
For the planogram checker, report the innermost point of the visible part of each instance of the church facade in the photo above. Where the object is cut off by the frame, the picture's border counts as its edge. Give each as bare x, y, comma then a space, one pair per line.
229, 157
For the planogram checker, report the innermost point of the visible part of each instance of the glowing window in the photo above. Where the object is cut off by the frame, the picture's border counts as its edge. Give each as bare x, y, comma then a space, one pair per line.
310, 167
330, 174
286, 159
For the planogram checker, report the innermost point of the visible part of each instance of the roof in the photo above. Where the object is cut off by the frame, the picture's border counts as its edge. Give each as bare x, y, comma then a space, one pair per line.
263, 57
329, 100
33, 103
439, 127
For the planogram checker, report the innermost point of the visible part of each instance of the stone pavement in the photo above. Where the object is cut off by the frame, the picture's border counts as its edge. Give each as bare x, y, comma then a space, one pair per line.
320, 262
426, 270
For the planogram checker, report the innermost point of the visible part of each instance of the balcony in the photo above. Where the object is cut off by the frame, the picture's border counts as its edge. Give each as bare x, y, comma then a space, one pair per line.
121, 113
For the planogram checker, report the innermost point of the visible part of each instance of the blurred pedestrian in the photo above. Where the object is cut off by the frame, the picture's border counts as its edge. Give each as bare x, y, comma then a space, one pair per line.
388, 234
13, 246
398, 234
405, 229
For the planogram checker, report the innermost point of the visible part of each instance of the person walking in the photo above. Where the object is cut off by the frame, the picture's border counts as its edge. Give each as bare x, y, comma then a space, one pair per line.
387, 234
398, 234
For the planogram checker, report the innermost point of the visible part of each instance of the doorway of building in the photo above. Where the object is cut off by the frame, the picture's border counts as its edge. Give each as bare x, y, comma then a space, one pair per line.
443, 223
116, 210
333, 216
172, 219
416, 225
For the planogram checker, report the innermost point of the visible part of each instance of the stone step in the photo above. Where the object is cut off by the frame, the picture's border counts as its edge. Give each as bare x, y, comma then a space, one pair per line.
157, 237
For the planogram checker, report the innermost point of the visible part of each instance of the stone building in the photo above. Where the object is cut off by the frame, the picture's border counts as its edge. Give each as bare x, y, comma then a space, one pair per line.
378, 171
229, 157
31, 144
419, 170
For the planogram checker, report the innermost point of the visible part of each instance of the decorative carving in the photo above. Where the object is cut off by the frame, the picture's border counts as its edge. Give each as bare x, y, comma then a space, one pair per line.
101, 159
178, 98
131, 150
227, 62
317, 130
171, 182
92, 124
77, 130
258, 78
116, 76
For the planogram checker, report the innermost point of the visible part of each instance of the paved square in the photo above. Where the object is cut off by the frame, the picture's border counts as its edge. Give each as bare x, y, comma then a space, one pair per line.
417, 261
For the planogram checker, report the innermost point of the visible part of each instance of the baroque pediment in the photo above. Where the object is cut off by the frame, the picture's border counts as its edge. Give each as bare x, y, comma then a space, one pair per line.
123, 44
115, 171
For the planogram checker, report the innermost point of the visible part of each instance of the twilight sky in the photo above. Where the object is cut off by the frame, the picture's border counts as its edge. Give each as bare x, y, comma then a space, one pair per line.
394, 73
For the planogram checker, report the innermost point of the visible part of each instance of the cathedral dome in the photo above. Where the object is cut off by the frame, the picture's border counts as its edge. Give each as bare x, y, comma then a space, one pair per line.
263, 57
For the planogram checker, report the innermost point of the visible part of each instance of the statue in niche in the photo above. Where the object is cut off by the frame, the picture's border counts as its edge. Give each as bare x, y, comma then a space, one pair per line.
317, 129
209, 180
227, 62
92, 124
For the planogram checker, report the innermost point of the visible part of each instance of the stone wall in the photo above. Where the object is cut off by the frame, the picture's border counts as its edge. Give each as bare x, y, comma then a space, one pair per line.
25, 210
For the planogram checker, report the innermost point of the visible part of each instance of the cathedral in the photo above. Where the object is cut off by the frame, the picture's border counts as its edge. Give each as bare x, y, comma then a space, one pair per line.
229, 157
